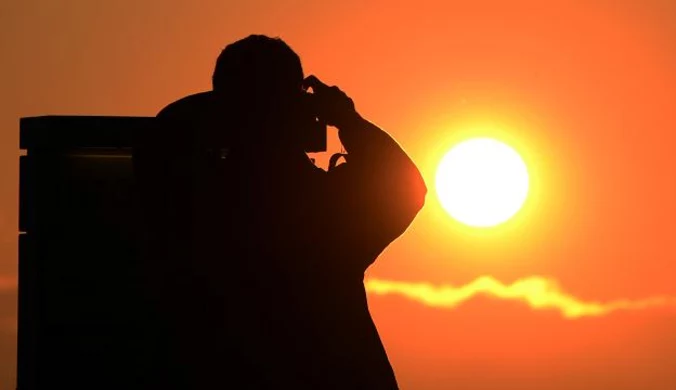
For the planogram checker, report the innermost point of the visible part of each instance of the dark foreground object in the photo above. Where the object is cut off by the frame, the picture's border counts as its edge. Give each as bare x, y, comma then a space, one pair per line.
141, 268
81, 310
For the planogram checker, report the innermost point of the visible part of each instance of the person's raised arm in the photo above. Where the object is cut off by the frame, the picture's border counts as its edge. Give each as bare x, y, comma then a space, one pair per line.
381, 181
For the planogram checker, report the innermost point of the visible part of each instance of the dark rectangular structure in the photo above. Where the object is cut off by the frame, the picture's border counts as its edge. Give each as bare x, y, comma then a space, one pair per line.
79, 263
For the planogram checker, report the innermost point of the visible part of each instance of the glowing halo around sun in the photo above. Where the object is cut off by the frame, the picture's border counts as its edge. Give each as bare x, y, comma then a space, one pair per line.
482, 182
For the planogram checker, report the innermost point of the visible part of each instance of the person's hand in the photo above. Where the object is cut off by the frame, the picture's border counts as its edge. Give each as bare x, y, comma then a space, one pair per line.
335, 107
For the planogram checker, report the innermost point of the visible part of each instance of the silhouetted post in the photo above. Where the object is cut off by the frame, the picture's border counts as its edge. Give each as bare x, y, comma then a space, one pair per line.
80, 305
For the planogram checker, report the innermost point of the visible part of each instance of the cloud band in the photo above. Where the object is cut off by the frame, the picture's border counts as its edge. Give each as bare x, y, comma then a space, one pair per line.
536, 291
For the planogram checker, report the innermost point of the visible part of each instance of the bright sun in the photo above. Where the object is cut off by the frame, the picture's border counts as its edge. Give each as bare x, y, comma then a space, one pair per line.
482, 182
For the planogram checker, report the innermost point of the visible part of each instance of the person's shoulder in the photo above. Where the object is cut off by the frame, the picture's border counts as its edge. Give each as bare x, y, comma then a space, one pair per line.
197, 116
188, 106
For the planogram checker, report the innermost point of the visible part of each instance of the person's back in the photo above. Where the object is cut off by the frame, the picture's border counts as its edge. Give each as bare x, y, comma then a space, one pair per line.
279, 247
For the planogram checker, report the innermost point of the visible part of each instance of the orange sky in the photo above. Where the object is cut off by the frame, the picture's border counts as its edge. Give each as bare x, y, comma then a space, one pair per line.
584, 90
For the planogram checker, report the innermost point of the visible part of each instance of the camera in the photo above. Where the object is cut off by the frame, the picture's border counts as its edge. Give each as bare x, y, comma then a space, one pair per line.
313, 130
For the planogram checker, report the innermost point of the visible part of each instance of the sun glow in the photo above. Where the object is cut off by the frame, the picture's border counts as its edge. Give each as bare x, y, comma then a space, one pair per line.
482, 182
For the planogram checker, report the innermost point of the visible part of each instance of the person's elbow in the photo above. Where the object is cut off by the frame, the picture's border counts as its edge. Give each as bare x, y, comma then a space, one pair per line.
417, 190
411, 200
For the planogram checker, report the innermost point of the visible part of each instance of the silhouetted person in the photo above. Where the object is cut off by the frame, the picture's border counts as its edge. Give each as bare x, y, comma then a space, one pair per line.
258, 255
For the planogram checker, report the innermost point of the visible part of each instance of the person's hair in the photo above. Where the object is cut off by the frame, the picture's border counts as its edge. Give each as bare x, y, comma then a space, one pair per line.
258, 65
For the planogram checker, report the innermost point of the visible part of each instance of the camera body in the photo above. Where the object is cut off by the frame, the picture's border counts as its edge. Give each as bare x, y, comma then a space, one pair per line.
313, 130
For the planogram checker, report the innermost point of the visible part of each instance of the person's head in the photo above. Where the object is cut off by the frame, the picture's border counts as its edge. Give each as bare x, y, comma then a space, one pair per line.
259, 79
